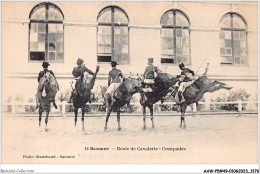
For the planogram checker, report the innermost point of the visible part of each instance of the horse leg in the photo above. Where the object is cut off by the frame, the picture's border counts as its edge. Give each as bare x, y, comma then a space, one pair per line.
151, 114
215, 88
108, 111
46, 120
144, 115
40, 117
76, 115
82, 118
183, 109
118, 119
217, 82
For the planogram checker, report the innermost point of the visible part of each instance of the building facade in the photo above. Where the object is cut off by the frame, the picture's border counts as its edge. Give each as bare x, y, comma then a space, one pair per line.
224, 34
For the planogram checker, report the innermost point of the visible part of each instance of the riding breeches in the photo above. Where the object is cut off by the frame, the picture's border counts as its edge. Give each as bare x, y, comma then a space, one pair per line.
112, 88
184, 85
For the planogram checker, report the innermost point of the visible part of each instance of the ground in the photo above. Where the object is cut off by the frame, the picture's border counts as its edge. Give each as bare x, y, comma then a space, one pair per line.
207, 139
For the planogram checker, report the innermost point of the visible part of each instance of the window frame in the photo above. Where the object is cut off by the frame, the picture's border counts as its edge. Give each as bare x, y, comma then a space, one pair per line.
174, 27
232, 29
112, 24
46, 21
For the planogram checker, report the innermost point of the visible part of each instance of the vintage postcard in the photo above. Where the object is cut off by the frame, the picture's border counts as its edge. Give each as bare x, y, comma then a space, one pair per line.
124, 82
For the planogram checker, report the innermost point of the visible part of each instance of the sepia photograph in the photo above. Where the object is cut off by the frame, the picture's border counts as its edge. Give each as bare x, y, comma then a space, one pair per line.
129, 82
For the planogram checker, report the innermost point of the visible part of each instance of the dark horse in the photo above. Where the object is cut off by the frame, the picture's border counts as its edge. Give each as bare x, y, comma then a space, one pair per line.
122, 95
163, 85
82, 94
46, 93
194, 93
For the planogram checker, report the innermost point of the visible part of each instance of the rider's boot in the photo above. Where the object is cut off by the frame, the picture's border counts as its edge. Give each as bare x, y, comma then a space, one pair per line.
181, 97
112, 99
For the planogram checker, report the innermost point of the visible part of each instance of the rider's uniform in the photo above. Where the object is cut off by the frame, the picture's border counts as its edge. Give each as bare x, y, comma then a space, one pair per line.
79, 70
149, 75
42, 73
187, 78
114, 80
40, 88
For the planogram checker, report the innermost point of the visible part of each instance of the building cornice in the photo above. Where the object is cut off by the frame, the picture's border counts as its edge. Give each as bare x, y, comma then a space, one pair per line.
105, 76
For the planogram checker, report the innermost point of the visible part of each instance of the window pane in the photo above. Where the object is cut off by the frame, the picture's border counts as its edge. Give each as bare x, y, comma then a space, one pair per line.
52, 56
59, 46
37, 55
226, 21
237, 60
167, 18
54, 14
238, 22
34, 37
33, 46
105, 16
237, 51
55, 28
34, 28
227, 43
59, 56
101, 49
41, 46
243, 60
104, 58
51, 46
167, 60
226, 60
236, 35
41, 37
41, 27
120, 17
38, 13
181, 20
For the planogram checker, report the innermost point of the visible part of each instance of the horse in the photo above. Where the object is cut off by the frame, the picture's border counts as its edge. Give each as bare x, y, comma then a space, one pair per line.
122, 96
46, 93
82, 95
195, 92
163, 84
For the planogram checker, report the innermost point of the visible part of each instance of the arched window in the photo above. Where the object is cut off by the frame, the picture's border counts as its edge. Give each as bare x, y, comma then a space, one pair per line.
113, 36
46, 33
233, 47
175, 38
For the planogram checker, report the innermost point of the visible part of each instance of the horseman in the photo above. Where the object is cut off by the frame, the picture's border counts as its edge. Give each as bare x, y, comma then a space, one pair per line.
45, 71
114, 80
149, 75
186, 79
78, 72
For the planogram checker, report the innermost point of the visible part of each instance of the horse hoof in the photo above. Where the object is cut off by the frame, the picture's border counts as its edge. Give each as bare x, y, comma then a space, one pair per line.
46, 129
144, 128
119, 129
152, 126
105, 128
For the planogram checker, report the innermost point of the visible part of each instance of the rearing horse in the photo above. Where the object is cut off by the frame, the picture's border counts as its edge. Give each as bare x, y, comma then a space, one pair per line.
82, 95
194, 93
46, 93
122, 95
162, 86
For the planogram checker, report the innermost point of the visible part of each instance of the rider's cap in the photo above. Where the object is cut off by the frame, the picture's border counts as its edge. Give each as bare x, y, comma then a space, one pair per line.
45, 64
150, 60
114, 63
79, 61
181, 65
